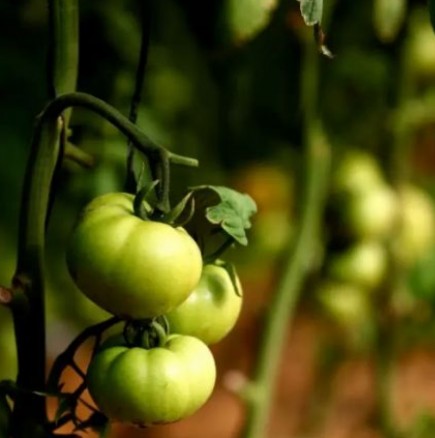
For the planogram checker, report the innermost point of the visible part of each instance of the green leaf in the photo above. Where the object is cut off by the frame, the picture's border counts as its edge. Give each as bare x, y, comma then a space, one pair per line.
227, 209
221, 217
431, 5
388, 18
246, 18
311, 11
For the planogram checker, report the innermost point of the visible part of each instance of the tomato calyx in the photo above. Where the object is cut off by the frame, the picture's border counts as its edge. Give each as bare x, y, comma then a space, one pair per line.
231, 270
142, 203
146, 333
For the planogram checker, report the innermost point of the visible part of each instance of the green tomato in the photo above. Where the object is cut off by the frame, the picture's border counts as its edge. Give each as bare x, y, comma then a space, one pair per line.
155, 386
345, 303
370, 214
211, 310
416, 231
357, 171
364, 263
131, 267
350, 309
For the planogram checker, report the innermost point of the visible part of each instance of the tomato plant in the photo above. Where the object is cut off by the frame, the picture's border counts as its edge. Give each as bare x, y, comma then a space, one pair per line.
212, 309
364, 263
152, 386
131, 267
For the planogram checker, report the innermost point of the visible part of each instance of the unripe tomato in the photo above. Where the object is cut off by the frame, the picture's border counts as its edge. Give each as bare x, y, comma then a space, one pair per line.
372, 213
364, 263
159, 385
131, 267
211, 310
416, 233
357, 171
346, 304
349, 307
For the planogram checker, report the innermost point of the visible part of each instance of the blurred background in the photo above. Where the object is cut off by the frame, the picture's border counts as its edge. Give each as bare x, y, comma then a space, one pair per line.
223, 84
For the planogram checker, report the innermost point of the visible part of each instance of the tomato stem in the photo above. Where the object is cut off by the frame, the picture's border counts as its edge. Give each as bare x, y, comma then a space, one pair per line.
159, 157
300, 255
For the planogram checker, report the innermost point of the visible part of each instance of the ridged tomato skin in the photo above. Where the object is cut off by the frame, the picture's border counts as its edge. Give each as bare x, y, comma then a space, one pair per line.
131, 267
152, 386
211, 310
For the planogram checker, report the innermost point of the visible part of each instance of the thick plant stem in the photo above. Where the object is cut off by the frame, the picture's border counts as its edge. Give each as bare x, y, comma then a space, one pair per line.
63, 48
28, 284
63, 63
299, 261
27, 304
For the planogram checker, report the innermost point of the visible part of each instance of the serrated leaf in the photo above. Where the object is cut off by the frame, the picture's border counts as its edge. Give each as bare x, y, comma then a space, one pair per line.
312, 11
182, 212
388, 18
230, 210
431, 6
221, 217
248, 17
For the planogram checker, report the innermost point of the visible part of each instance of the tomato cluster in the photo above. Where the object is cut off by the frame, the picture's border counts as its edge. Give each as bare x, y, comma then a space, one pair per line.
367, 220
143, 270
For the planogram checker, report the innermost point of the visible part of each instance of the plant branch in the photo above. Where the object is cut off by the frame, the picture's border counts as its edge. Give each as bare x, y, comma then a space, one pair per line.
299, 260
77, 155
155, 153
131, 184
28, 284
63, 55
64, 359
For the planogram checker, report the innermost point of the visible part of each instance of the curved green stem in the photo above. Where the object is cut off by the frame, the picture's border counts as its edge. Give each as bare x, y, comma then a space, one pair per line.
155, 153
299, 259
